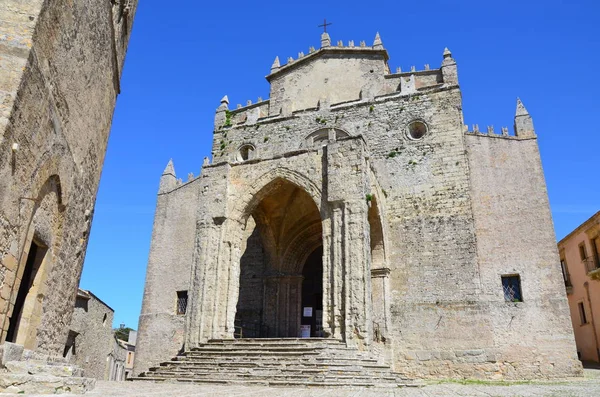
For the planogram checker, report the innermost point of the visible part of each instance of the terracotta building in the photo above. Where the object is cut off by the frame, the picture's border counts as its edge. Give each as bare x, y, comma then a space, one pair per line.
580, 261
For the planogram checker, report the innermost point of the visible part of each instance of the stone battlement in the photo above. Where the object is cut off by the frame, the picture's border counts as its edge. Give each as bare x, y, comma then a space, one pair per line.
334, 75
522, 128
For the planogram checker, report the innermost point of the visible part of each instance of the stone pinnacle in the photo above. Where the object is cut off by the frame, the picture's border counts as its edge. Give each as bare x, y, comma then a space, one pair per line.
169, 169
377, 43
276, 64
521, 110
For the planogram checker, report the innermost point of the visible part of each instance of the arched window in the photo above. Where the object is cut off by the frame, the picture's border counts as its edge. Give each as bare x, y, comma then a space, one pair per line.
245, 152
321, 136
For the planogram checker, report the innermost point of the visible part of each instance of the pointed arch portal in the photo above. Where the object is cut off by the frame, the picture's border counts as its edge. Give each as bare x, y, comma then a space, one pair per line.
281, 267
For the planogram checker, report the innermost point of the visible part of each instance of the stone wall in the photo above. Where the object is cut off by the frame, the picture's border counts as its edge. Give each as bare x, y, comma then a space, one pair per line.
57, 59
92, 320
515, 235
169, 267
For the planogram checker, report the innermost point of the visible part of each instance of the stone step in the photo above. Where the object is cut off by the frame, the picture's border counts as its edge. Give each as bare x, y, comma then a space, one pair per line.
275, 365
284, 362
268, 349
275, 341
35, 367
274, 370
253, 353
23, 383
295, 377
297, 372
281, 359
303, 383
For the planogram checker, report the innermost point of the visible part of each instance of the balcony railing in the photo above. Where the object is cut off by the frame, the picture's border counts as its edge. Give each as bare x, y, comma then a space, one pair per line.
590, 264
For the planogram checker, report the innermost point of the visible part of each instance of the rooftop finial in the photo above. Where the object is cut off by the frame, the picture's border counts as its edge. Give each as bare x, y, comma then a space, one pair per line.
521, 111
276, 65
377, 43
225, 100
447, 53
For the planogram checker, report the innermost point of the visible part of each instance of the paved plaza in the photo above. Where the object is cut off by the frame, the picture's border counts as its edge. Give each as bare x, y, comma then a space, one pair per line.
587, 387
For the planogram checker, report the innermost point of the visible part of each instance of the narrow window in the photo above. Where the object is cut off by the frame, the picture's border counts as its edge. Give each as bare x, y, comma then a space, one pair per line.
182, 299
565, 272
511, 286
582, 316
104, 319
582, 251
596, 251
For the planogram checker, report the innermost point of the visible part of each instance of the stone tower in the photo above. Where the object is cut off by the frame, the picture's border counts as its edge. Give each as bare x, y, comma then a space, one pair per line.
60, 67
354, 204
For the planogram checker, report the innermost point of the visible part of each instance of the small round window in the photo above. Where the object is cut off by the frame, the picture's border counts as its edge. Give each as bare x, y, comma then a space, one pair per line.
416, 129
245, 152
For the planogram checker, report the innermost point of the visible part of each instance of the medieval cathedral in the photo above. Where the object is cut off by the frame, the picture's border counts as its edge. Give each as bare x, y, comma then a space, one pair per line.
352, 220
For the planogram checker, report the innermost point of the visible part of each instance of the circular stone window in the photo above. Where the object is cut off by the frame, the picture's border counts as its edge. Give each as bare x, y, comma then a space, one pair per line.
416, 129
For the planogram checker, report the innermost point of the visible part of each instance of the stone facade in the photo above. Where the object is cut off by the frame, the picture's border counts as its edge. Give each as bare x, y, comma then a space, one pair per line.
580, 259
355, 201
60, 66
93, 339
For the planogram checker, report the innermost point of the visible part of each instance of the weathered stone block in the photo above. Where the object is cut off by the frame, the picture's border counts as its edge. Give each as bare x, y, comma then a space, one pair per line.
10, 352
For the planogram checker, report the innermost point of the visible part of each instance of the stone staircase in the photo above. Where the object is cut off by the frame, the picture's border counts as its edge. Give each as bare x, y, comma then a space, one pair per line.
26, 372
277, 362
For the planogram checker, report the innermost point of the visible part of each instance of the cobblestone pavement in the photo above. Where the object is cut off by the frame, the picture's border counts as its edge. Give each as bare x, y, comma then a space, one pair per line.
587, 387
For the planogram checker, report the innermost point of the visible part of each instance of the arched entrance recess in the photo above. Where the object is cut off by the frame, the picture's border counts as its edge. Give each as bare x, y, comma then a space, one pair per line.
379, 272
281, 280
42, 244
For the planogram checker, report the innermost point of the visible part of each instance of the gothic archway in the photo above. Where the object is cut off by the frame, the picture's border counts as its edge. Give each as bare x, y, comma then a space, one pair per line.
283, 230
42, 243
379, 272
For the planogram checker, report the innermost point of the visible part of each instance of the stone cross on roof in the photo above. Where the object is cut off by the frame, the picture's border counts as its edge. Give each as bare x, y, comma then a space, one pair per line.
325, 24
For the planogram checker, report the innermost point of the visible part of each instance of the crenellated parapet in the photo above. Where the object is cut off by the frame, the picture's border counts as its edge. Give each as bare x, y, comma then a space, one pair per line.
522, 128
316, 85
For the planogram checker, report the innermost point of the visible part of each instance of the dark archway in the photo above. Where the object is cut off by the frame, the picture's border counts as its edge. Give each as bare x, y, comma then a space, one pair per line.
283, 231
312, 294
35, 258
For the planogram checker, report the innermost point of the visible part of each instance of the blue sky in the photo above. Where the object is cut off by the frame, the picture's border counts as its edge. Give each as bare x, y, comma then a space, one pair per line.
184, 56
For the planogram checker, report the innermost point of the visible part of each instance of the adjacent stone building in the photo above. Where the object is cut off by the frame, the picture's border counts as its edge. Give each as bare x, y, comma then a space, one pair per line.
354, 204
92, 336
580, 260
60, 66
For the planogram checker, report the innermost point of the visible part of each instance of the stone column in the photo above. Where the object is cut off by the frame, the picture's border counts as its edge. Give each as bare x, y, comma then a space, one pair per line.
349, 252
204, 279
357, 266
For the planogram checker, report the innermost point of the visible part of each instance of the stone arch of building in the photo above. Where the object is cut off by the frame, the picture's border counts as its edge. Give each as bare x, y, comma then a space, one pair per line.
377, 211
301, 246
42, 243
285, 210
380, 271
52, 166
322, 135
264, 185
